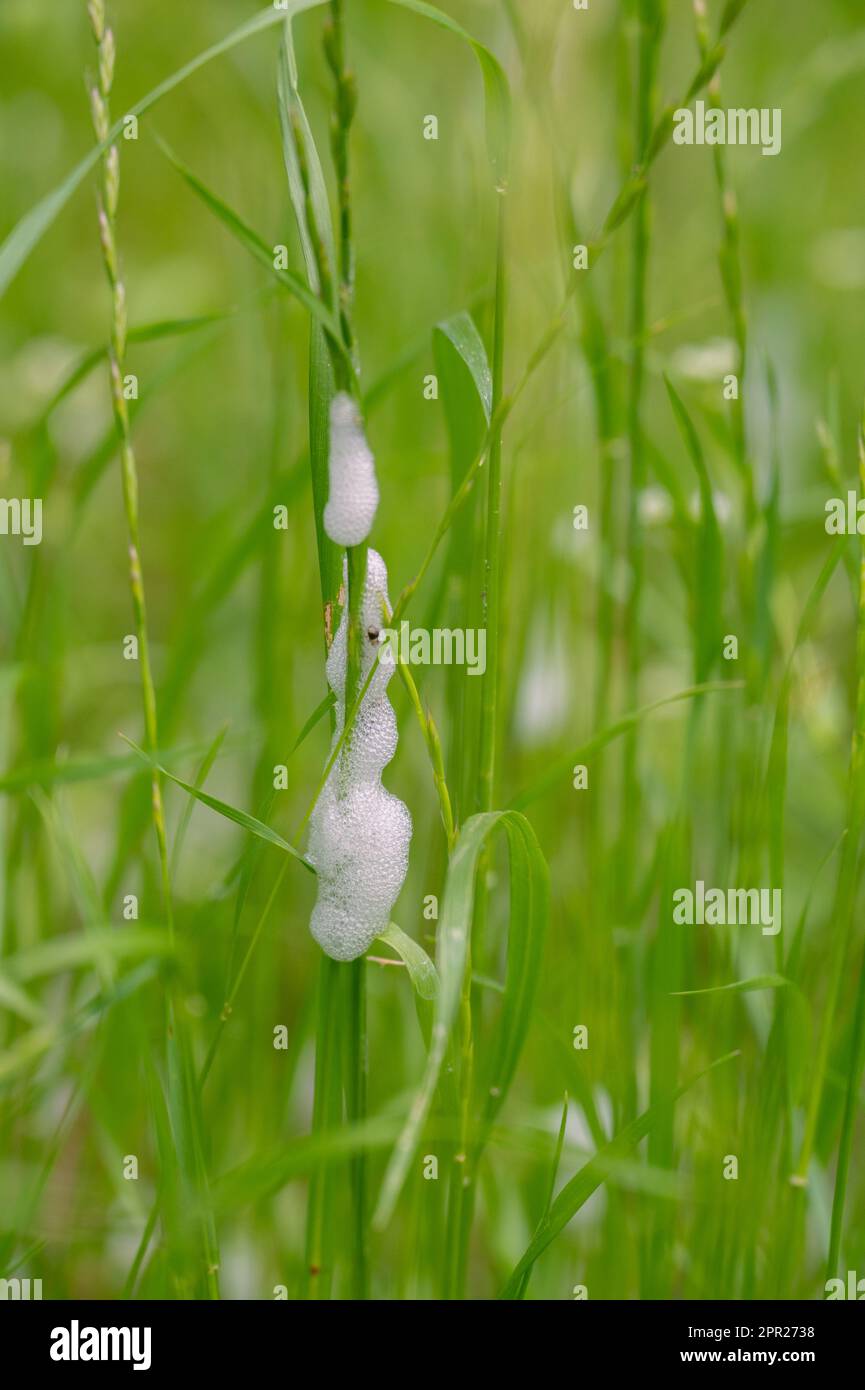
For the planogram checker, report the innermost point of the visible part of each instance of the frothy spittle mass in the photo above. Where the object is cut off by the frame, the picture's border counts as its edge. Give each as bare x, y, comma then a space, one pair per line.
352, 486
359, 832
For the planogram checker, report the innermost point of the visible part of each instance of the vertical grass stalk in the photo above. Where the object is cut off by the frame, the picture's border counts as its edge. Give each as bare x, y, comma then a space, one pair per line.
462, 1178
846, 913
341, 1047
180, 1066
650, 31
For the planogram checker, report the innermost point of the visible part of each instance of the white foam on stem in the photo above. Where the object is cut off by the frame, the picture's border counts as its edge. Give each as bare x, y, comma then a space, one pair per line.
359, 833
352, 497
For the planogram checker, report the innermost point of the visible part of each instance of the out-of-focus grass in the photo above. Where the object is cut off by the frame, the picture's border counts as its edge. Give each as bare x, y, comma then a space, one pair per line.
742, 783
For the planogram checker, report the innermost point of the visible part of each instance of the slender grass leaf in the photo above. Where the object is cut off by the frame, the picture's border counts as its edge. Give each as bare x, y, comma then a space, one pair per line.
739, 986
496, 91
27, 233
421, 969
775, 787
200, 778
580, 1188
563, 766
256, 246
17, 1001
454, 930
707, 602
144, 333
317, 205
317, 715
315, 229
554, 1172
262, 1176
527, 926
241, 818
74, 951
460, 335
48, 773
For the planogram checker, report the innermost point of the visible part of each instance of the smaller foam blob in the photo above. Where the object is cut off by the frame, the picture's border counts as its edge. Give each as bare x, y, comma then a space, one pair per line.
359, 833
352, 487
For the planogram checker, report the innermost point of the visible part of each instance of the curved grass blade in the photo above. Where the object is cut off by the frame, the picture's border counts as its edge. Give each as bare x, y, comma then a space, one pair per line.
459, 335
255, 245
421, 968
775, 786
31, 1047
91, 469
496, 90
422, 972
144, 333
91, 359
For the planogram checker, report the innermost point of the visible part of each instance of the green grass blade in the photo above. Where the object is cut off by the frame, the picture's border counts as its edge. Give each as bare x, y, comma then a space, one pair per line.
551, 1190
580, 1188
454, 930
775, 788
421, 969
563, 766
707, 601
241, 818
27, 233
739, 986
313, 217
529, 917
255, 245
496, 90
80, 951
17, 1001
459, 349
315, 230
200, 778
50, 773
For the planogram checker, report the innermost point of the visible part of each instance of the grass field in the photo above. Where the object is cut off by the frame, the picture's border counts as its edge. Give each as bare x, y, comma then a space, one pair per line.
609, 1041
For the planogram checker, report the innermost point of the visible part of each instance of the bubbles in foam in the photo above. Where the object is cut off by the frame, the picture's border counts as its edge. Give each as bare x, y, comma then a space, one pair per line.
352, 488
359, 832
